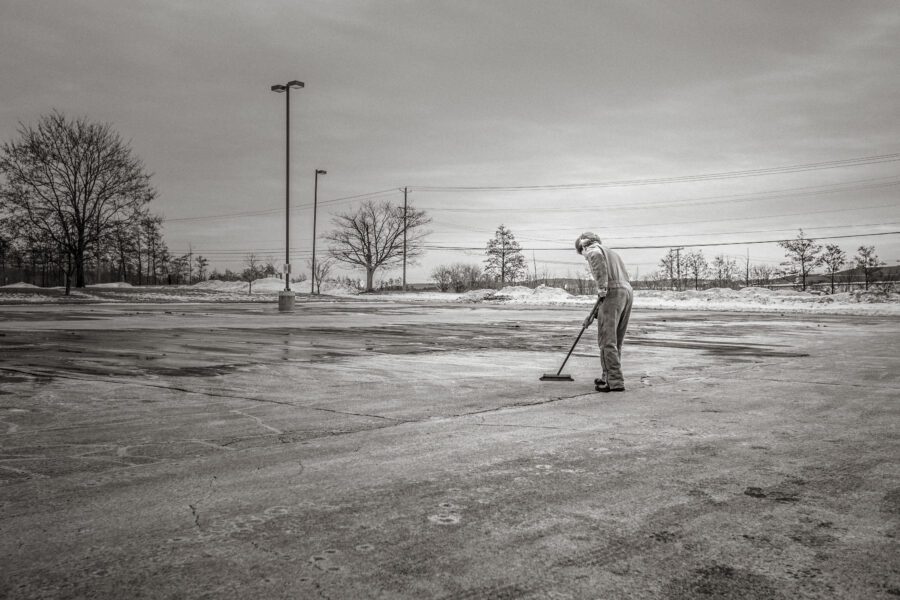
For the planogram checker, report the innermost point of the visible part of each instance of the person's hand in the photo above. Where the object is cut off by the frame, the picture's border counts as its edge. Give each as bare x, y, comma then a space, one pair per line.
588, 320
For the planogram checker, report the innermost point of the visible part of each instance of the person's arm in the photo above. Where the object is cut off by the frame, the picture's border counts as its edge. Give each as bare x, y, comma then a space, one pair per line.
590, 318
599, 269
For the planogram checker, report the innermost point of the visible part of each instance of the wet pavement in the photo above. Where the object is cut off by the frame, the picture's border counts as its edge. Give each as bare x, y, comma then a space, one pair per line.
357, 450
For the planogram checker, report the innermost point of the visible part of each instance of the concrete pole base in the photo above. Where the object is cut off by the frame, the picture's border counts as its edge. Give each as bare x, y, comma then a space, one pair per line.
285, 301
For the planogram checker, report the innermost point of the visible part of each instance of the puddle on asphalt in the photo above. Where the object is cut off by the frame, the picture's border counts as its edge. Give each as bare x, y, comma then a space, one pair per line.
205, 352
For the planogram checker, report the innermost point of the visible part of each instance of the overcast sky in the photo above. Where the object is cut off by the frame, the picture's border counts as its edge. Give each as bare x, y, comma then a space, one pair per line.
487, 94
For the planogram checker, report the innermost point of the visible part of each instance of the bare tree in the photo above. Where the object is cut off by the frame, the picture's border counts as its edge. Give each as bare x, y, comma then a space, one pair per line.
253, 271
464, 276
125, 248
868, 262
442, 277
724, 270
803, 256
834, 258
371, 237
154, 247
322, 271
179, 269
696, 266
656, 280
72, 180
505, 260
762, 274
667, 267
202, 265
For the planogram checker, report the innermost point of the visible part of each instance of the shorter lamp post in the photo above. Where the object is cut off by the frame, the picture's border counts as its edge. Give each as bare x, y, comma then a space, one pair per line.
286, 297
315, 204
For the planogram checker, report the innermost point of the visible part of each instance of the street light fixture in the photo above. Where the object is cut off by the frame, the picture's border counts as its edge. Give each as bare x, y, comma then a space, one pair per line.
286, 298
315, 204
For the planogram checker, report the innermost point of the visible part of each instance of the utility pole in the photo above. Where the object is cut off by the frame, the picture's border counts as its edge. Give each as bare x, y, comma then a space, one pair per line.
312, 283
98, 244
678, 265
747, 277
405, 191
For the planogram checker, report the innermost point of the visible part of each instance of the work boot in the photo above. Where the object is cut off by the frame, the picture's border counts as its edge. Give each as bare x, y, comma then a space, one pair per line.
600, 381
605, 388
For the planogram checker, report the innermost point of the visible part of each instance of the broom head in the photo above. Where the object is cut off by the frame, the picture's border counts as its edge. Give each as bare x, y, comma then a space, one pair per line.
556, 377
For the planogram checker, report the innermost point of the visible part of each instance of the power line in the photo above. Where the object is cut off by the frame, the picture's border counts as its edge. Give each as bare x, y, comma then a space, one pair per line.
798, 192
767, 195
832, 164
818, 237
778, 216
270, 211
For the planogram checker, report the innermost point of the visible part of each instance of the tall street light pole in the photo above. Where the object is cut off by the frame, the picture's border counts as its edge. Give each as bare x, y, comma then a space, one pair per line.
286, 298
405, 190
315, 204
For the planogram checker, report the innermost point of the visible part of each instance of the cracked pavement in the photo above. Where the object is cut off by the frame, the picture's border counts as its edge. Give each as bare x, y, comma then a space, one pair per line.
355, 450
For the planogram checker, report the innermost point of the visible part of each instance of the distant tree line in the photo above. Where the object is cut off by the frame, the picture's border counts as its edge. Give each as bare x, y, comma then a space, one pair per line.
680, 270
804, 256
74, 209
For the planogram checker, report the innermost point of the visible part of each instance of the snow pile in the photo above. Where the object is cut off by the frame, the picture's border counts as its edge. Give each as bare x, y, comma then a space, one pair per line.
754, 299
750, 299
328, 288
477, 295
513, 293
21, 284
544, 293
271, 285
517, 294
221, 286
117, 284
872, 296
267, 284
749, 295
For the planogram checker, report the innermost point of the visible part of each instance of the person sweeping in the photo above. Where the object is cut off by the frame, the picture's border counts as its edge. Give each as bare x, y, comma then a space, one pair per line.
612, 312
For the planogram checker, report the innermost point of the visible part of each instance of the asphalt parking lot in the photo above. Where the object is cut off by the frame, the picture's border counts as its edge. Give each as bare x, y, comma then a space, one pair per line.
390, 450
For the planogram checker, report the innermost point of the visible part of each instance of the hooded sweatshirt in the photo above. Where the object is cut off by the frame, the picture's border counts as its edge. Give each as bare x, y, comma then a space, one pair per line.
607, 268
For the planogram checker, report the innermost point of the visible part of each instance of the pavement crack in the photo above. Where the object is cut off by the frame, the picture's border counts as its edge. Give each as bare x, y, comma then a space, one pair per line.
196, 516
258, 421
527, 426
353, 414
519, 405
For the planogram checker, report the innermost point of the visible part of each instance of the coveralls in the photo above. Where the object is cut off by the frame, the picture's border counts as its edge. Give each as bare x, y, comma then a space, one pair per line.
612, 318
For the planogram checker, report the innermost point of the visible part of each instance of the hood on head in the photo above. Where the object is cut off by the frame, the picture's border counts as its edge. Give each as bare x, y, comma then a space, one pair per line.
586, 239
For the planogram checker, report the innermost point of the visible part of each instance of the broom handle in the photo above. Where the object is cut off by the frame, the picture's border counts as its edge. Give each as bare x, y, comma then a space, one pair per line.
580, 333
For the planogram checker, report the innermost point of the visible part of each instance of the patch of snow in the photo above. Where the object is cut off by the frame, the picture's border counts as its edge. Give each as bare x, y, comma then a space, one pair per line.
542, 294
22, 298
221, 286
268, 285
21, 284
117, 284
477, 295
751, 299
273, 285
875, 301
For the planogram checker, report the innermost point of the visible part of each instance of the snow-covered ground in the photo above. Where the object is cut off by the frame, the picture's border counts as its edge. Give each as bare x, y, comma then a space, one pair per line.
751, 299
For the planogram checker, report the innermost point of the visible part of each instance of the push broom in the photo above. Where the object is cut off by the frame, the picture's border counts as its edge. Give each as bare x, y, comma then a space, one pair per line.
558, 376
